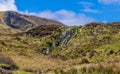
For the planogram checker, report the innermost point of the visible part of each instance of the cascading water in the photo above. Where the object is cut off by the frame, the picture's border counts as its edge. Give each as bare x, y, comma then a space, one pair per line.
62, 39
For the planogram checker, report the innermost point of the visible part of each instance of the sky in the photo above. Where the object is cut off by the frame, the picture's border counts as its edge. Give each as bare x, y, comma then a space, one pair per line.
69, 12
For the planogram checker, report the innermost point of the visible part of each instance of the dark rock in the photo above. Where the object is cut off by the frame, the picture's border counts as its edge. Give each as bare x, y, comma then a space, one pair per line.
4, 71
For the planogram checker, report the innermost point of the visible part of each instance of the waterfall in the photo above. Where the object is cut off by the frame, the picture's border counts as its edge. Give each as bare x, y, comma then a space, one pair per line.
54, 44
62, 39
47, 51
65, 32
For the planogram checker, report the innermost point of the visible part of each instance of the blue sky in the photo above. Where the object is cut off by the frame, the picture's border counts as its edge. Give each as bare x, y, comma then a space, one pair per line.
69, 12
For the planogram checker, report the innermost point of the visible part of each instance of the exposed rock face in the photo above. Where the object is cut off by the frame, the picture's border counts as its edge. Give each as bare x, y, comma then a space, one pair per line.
14, 20
7, 62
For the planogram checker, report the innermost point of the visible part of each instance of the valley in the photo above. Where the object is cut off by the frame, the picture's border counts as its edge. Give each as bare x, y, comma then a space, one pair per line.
54, 48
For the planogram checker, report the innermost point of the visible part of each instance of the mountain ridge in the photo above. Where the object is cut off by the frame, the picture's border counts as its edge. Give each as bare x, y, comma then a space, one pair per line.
21, 22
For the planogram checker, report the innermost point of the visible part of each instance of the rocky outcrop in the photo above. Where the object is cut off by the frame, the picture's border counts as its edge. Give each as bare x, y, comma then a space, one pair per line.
4, 71
6, 65
14, 20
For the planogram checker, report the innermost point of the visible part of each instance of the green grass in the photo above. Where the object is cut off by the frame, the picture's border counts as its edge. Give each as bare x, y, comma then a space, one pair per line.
85, 48
21, 72
4, 65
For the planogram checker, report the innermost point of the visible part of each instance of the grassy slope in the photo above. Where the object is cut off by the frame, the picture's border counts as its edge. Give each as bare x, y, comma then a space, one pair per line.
13, 22
92, 45
4, 28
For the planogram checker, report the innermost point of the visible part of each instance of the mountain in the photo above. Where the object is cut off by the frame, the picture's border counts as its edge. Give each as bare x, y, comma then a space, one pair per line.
12, 22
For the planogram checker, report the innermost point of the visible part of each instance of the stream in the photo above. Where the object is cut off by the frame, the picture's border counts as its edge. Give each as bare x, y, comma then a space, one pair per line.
62, 39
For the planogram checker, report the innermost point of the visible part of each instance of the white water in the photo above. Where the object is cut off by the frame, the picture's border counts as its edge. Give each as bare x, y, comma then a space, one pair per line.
63, 39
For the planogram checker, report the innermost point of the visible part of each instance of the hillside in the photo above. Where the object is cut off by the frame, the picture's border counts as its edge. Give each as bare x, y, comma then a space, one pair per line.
93, 48
13, 22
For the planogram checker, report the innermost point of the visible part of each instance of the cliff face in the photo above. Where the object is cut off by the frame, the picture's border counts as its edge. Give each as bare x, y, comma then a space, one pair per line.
15, 21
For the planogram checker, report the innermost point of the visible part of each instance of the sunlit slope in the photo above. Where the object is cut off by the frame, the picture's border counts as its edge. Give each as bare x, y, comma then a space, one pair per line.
93, 41
4, 28
94, 47
13, 22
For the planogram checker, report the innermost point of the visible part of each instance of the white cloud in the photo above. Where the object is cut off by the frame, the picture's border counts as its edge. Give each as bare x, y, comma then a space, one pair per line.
66, 17
6, 5
91, 10
86, 4
87, 7
109, 1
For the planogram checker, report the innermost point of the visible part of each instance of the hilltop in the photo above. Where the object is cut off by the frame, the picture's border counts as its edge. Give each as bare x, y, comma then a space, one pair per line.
13, 22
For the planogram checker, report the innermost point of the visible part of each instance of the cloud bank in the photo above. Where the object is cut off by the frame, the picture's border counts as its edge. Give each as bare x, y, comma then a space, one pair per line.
64, 16
6, 5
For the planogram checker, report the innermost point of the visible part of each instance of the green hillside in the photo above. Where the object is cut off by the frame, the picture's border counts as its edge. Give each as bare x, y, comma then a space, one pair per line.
90, 49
